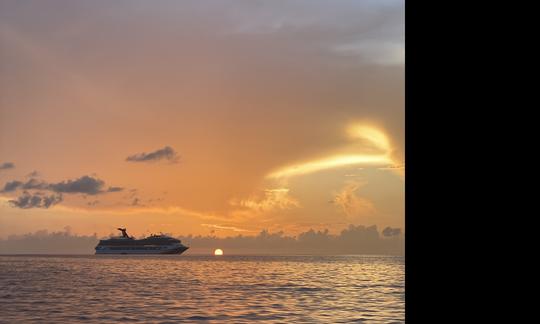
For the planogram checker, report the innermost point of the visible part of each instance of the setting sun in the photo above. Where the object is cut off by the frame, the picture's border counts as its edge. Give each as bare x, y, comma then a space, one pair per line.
218, 252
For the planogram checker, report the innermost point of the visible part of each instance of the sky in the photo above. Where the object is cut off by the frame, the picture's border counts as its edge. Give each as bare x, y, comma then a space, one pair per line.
201, 117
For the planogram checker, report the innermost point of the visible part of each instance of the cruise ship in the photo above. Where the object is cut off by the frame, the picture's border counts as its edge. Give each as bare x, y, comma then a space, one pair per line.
153, 244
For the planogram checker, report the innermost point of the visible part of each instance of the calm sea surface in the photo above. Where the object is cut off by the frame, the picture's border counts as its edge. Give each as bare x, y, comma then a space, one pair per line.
172, 289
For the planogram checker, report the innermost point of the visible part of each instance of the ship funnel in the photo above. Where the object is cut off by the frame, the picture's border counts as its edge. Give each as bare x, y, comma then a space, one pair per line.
124, 232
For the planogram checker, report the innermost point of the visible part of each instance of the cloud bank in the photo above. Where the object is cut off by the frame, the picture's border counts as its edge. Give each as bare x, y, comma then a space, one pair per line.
43, 242
352, 240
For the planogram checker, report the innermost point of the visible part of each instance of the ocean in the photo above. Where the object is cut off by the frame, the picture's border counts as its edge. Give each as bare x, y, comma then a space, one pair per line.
213, 289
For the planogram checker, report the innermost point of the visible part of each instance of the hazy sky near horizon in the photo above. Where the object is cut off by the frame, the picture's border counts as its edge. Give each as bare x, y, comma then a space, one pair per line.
223, 117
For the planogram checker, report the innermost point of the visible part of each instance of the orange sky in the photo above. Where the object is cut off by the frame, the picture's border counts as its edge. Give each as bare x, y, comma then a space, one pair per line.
282, 116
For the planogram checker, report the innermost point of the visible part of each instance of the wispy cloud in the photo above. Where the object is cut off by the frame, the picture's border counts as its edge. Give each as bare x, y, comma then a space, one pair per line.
351, 203
33, 174
329, 163
369, 138
167, 153
271, 199
230, 228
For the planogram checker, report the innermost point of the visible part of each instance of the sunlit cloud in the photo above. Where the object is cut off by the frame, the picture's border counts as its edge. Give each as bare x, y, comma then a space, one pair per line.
230, 228
351, 203
370, 138
271, 199
330, 163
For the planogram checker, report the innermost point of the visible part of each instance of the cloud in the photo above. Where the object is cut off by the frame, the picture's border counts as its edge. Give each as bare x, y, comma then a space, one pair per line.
85, 184
115, 189
389, 231
393, 167
328, 163
166, 153
38, 200
35, 184
271, 199
230, 228
355, 239
7, 165
12, 186
62, 242
353, 205
374, 144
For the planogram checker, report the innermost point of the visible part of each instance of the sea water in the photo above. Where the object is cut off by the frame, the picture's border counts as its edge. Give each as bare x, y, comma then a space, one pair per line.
187, 288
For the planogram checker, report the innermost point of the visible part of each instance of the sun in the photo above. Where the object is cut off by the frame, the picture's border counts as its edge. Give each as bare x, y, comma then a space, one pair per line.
218, 252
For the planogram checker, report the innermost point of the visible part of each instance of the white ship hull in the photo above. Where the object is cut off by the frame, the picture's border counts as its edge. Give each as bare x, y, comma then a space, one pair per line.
142, 250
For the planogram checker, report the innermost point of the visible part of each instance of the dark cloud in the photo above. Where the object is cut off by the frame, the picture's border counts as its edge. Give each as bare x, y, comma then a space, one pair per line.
7, 165
115, 189
12, 186
166, 153
35, 184
388, 231
38, 200
85, 184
